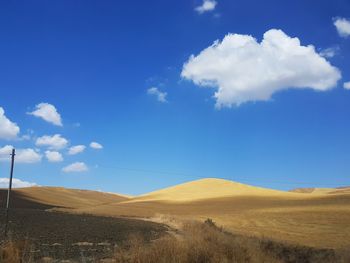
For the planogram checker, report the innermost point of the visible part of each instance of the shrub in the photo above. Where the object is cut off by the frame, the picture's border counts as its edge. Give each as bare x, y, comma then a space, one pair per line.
200, 243
15, 252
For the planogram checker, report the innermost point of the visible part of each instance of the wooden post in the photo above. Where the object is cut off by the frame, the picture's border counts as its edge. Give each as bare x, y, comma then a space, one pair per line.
9, 190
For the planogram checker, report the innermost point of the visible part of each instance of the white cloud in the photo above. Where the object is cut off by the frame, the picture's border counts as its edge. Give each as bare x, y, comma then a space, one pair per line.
96, 145
347, 85
329, 52
5, 152
53, 156
76, 149
27, 156
47, 112
8, 130
244, 70
52, 142
343, 26
161, 96
16, 183
25, 137
75, 167
22, 155
207, 5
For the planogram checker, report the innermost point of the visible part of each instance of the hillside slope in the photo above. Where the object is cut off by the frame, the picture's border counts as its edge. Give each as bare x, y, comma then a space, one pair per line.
318, 191
208, 188
319, 220
60, 197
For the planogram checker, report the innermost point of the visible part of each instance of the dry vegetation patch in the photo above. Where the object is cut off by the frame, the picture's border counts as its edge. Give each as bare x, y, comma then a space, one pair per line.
205, 242
196, 243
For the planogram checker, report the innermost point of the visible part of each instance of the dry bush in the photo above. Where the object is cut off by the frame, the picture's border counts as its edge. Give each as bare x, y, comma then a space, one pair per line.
200, 243
10, 252
207, 243
15, 252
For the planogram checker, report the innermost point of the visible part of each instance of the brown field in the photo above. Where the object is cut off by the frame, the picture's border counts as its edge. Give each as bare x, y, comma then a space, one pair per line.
36, 231
60, 197
313, 217
319, 219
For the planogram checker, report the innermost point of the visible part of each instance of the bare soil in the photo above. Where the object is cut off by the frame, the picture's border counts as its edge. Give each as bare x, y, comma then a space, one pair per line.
70, 236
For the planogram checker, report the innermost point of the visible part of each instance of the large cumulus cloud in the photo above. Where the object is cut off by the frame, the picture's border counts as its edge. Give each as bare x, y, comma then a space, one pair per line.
242, 69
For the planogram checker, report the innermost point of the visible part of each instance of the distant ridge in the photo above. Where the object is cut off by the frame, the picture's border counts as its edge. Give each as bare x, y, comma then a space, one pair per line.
207, 188
67, 198
319, 191
303, 190
202, 189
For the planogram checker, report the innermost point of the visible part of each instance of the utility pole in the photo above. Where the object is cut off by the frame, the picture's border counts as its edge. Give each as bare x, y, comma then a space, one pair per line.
9, 190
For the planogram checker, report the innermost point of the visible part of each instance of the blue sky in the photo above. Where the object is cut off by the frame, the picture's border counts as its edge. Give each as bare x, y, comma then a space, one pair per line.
120, 74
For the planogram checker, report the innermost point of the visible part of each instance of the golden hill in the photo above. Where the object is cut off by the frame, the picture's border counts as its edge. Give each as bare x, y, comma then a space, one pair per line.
319, 219
213, 188
207, 189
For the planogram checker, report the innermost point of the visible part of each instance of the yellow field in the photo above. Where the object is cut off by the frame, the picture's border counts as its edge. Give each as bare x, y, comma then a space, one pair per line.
68, 198
318, 217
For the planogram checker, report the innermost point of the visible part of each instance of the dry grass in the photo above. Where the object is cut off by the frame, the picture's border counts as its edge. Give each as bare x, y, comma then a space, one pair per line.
318, 219
15, 252
196, 243
199, 243
62, 197
206, 243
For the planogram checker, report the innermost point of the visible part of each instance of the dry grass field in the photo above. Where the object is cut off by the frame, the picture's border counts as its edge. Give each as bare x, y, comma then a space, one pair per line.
62, 197
318, 219
313, 217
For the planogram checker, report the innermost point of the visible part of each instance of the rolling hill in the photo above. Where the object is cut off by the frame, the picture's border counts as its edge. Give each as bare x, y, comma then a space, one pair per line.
206, 189
59, 197
317, 218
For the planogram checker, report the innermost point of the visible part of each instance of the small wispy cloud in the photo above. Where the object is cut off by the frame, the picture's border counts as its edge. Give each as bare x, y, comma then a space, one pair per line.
207, 6
347, 85
77, 167
160, 95
27, 155
96, 146
16, 183
329, 52
52, 142
76, 149
8, 129
47, 112
53, 156
343, 26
